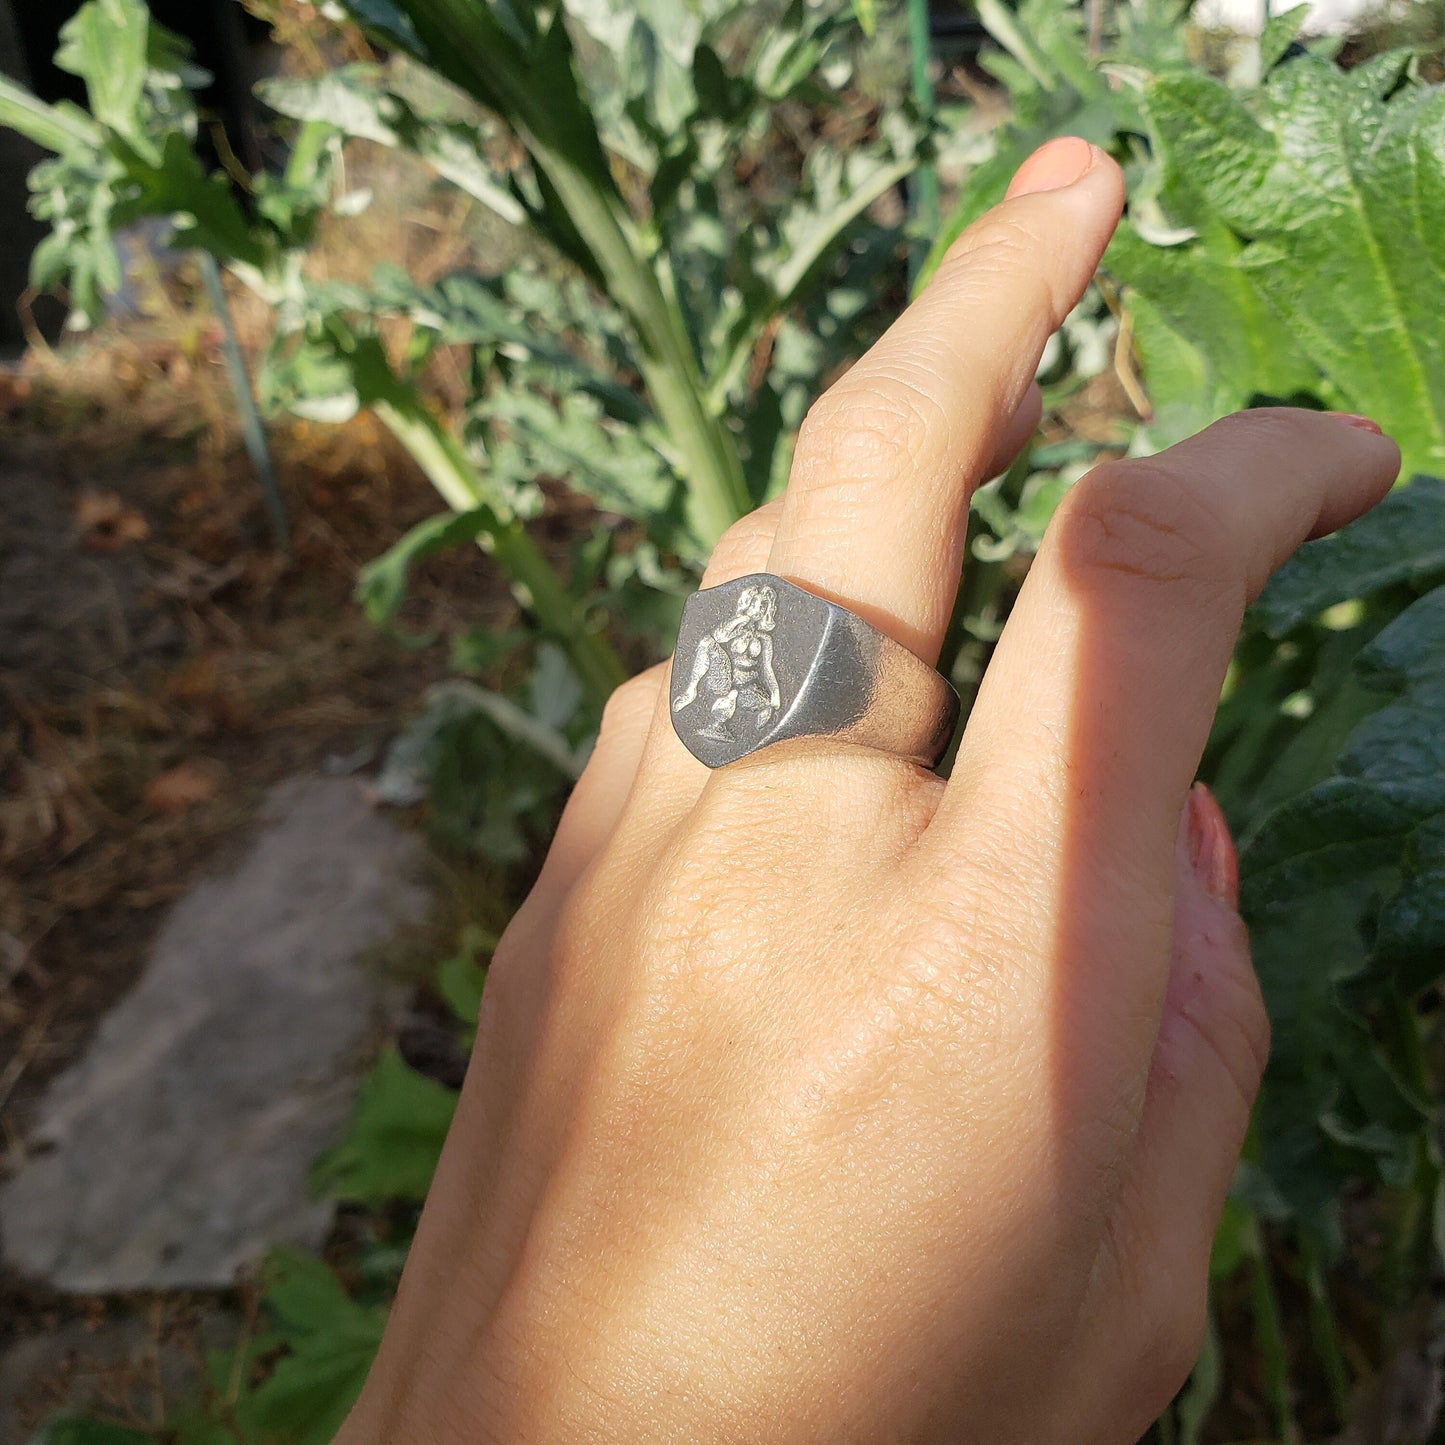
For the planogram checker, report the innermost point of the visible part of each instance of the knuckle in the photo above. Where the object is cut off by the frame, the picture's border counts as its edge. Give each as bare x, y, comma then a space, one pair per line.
744, 545
630, 704
870, 432
1140, 523
1271, 430
1000, 244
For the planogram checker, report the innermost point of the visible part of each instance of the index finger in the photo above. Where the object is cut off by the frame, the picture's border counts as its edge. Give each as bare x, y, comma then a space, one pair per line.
1094, 713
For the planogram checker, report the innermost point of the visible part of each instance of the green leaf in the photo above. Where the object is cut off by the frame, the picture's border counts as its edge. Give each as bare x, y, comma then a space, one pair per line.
56, 127
1342, 886
355, 101
331, 1341
201, 204
572, 439
1410, 943
394, 1139
107, 44
1401, 540
461, 978
381, 584
1337, 833
1325, 199
1279, 33
388, 23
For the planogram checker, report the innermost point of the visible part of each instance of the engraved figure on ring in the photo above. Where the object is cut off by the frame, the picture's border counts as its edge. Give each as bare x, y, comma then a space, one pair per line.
734, 663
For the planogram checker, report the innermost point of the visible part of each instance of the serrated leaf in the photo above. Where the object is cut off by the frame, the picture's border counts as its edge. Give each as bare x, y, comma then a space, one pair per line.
1402, 746
1410, 942
572, 439
1366, 844
1336, 195
1401, 540
1337, 833
355, 101
106, 44
394, 1138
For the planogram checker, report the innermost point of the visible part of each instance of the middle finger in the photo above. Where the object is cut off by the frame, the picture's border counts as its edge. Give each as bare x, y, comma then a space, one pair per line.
875, 511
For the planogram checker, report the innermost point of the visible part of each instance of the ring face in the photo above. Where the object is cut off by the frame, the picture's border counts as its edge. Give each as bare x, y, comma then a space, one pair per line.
759, 660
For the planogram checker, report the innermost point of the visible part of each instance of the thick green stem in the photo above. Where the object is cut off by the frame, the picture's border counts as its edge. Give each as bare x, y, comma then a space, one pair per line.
534, 88
705, 453
538, 587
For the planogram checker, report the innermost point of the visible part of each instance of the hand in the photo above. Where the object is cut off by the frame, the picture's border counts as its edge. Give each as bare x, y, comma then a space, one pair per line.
815, 1099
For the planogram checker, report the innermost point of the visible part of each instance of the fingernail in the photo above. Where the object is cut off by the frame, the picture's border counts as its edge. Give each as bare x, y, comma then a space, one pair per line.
1211, 848
1053, 166
1363, 423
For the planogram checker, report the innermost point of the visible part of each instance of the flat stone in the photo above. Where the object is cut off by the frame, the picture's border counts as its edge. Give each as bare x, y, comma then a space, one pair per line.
178, 1149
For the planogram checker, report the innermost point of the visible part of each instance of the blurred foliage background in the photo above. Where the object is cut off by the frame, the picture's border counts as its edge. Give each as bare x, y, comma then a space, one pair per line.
661, 230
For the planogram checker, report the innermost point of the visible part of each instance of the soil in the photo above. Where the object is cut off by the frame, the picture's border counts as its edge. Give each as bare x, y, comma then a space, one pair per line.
162, 662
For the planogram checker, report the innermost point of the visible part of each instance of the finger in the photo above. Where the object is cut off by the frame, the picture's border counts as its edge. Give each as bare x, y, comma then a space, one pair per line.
1017, 433
597, 801
1152, 1281
1092, 717
593, 808
1209, 1054
887, 459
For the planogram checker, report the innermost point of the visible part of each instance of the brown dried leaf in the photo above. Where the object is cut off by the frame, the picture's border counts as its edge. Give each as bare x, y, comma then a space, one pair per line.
184, 786
106, 523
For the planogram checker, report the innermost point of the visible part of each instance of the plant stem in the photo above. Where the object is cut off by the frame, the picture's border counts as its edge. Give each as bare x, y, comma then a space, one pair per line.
538, 587
1413, 1237
252, 432
1269, 1337
925, 179
1324, 1328
533, 86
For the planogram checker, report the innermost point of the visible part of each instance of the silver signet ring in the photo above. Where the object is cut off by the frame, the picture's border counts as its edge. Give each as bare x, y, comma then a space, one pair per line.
760, 660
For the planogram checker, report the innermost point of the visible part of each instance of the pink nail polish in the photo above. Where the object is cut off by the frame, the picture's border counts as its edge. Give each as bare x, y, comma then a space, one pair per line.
1053, 166
1362, 423
1211, 848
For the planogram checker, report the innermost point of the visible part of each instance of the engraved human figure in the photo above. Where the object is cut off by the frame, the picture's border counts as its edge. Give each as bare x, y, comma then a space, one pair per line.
734, 662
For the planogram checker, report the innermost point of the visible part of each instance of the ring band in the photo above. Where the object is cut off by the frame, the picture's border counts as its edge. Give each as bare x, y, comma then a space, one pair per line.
760, 660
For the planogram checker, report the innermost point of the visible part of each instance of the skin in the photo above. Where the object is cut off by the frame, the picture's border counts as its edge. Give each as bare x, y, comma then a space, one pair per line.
817, 1100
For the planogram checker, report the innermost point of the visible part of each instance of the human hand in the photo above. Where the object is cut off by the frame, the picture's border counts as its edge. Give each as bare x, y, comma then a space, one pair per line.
815, 1099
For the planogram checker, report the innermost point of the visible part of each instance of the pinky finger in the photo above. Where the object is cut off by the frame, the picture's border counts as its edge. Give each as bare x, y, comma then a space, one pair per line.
596, 802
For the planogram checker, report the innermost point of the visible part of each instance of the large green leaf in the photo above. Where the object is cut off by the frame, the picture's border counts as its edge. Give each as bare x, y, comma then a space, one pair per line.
1403, 541
1323, 195
1342, 883
1054, 88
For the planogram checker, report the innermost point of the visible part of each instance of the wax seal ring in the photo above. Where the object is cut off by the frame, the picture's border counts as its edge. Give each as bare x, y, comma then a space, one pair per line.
760, 660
